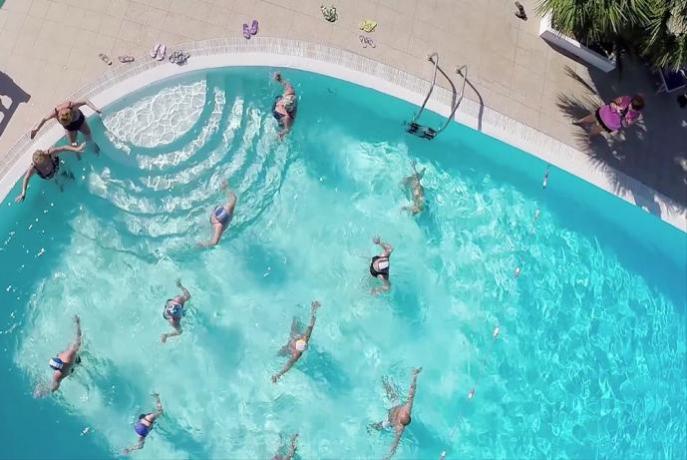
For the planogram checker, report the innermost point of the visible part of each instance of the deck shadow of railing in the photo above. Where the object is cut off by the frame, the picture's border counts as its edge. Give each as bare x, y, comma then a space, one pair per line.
9, 89
653, 152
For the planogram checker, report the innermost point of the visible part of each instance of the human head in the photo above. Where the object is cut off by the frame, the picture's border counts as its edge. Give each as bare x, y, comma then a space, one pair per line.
289, 102
64, 115
56, 363
637, 102
39, 156
301, 344
404, 418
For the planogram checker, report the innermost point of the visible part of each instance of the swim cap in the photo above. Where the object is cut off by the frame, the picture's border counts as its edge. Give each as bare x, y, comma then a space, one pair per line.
56, 363
300, 344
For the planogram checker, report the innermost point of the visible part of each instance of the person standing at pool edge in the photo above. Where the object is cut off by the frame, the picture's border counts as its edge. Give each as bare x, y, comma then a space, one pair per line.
297, 342
174, 311
145, 424
63, 364
72, 119
399, 416
285, 106
221, 216
379, 267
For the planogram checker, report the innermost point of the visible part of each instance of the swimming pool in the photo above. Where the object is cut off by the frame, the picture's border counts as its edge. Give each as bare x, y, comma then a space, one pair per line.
591, 357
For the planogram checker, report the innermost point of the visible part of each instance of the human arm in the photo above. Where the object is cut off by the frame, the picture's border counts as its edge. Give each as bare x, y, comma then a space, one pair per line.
287, 366
186, 295
217, 231
88, 103
314, 306
292, 448
43, 121
388, 249
25, 184
413, 387
394, 444
66, 148
159, 410
137, 446
76, 345
288, 88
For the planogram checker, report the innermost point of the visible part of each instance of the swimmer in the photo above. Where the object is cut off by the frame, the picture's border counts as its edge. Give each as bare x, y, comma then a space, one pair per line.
174, 310
379, 267
221, 216
298, 342
72, 119
145, 424
417, 190
399, 415
46, 163
292, 450
63, 364
285, 106
471, 393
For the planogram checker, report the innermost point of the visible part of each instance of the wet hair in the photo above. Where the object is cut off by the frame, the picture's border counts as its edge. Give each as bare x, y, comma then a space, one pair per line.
38, 156
142, 416
637, 102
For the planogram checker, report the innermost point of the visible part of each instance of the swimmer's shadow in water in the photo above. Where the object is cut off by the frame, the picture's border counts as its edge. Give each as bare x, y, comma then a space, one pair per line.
322, 368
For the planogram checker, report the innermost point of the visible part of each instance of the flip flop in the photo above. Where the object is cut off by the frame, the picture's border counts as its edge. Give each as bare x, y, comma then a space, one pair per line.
370, 42
254, 27
105, 58
246, 32
368, 25
329, 13
126, 59
156, 49
161, 54
363, 41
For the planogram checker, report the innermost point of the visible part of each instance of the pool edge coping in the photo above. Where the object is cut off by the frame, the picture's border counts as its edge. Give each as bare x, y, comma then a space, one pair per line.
361, 70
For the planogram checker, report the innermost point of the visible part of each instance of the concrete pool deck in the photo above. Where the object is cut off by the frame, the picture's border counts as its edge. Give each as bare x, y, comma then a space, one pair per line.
511, 71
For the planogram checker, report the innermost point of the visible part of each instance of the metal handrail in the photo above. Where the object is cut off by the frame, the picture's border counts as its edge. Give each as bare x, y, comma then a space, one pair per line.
430, 58
459, 71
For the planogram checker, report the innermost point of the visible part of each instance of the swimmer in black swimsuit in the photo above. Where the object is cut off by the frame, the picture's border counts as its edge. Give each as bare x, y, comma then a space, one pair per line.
379, 267
284, 109
221, 217
46, 164
72, 119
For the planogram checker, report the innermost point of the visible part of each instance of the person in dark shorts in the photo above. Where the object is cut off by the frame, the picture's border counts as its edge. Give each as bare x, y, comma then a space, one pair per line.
221, 216
63, 364
175, 310
72, 119
144, 424
379, 267
285, 105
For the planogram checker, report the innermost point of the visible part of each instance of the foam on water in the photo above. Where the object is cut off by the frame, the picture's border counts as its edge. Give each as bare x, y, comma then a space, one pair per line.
590, 360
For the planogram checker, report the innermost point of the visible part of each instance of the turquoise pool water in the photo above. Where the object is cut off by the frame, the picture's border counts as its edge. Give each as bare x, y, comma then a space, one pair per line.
590, 361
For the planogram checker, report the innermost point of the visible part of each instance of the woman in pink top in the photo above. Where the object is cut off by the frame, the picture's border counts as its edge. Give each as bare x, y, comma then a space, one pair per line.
620, 113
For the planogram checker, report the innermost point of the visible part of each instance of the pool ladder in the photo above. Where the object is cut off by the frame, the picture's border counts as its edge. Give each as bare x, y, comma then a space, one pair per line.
425, 131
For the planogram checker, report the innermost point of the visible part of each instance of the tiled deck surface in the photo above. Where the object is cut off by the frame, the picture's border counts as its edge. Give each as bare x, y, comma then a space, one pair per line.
49, 49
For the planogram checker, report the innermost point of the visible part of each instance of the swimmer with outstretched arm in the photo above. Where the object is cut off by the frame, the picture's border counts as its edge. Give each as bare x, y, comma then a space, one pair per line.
145, 424
399, 415
174, 311
379, 267
292, 450
63, 364
297, 342
221, 216
416, 189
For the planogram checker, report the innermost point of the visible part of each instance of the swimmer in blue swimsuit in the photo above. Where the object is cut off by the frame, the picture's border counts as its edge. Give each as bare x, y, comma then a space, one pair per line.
379, 267
174, 311
144, 424
284, 109
221, 217
63, 364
